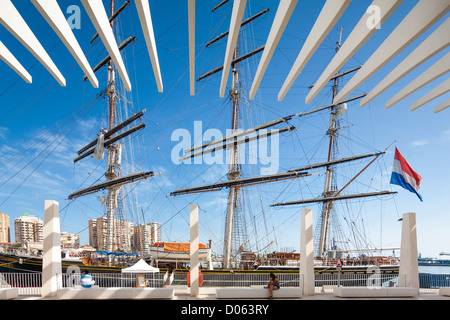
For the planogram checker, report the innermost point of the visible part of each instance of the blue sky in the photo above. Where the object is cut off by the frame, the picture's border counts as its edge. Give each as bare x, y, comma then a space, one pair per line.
42, 125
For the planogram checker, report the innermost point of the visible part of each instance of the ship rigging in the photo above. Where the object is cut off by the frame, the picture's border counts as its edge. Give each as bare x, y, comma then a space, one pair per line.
234, 243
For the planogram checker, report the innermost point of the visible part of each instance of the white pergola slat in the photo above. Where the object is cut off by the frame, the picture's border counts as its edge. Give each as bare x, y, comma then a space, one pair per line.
357, 38
440, 90
284, 12
143, 9
97, 14
442, 106
14, 64
191, 23
235, 26
11, 19
328, 17
52, 13
437, 70
435, 43
419, 19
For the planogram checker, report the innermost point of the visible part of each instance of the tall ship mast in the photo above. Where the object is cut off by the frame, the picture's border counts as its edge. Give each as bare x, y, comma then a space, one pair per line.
234, 223
238, 250
235, 236
111, 140
114, 151
331, 193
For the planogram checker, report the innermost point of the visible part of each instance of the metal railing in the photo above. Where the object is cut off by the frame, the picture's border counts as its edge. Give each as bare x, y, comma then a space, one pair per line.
324, 283
431, 282
31, 283
114, 280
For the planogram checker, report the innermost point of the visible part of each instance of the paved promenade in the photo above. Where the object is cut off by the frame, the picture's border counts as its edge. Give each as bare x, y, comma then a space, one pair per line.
209, 294
206, 306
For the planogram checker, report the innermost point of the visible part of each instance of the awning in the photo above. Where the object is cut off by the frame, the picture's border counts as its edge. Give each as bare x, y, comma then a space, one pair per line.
140, 267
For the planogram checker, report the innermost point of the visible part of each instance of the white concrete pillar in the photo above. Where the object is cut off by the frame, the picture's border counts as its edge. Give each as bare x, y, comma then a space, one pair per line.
409, 266
306, 253
194, 250
51, 263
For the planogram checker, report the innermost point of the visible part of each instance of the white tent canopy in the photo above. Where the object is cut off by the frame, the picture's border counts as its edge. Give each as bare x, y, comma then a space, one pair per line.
140, 267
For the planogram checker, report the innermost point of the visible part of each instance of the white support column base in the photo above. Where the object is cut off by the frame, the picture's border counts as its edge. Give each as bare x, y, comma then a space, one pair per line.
306, 253
409, 267
194, 250
51, 262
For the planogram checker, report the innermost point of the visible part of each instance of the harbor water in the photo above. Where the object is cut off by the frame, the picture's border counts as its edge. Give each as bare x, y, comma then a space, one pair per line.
435, 269
434, 276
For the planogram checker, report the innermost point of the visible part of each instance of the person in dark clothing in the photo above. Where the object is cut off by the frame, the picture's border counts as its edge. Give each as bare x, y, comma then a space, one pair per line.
274, 284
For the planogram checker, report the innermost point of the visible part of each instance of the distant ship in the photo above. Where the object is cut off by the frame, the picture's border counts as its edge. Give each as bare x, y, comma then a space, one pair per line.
71, 261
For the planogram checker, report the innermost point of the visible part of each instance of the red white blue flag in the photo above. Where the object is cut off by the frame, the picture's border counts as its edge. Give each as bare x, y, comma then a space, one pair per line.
404, 176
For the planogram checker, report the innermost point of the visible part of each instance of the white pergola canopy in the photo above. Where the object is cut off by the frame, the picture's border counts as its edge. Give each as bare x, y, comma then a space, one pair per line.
421, 18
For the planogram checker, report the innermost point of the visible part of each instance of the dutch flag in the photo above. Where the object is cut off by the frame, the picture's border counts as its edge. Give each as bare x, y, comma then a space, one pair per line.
404, 176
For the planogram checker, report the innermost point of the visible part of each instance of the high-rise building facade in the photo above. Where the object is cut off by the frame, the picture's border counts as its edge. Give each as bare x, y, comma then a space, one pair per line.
145, 235
98, 234
93, 235
69, 240
28, 229
141, 238
155, 232
5, 232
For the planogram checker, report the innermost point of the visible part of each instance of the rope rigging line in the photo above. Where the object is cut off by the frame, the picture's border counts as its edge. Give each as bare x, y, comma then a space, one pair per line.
29, 175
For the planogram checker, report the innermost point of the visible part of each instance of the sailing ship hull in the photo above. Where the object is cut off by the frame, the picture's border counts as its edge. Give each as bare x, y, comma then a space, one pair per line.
159, 254
10, 263
383, 269
346, 276
27, 264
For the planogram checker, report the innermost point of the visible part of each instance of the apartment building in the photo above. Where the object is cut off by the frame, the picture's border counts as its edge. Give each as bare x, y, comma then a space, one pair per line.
28, 229
5, 232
